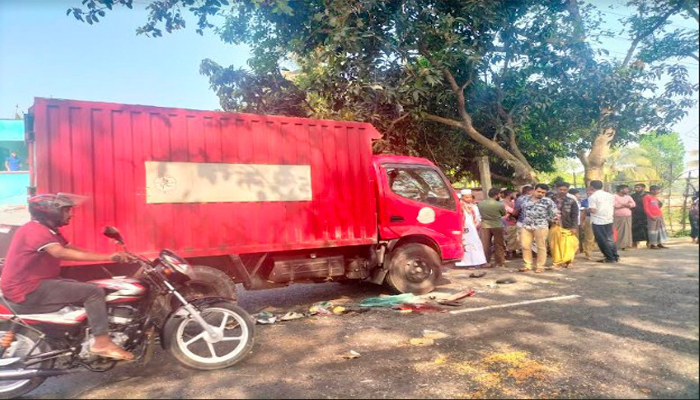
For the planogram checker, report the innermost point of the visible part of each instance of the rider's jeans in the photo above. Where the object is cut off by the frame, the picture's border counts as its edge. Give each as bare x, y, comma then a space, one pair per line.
65, 292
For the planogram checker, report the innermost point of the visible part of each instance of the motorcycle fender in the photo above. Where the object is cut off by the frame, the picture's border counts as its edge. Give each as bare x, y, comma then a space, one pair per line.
175, 317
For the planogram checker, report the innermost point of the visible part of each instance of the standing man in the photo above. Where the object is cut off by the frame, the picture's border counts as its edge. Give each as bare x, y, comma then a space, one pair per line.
624, 204
694, 215
656, 229
492, 211
587, 237
525, 193
563, 240
510, 228
13, 162
537, 212
639, 217
601, 205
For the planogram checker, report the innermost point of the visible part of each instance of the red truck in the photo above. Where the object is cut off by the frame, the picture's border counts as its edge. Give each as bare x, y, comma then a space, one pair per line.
265, 200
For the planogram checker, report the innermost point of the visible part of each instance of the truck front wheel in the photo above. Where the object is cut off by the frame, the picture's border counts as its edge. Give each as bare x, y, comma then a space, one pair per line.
413, 268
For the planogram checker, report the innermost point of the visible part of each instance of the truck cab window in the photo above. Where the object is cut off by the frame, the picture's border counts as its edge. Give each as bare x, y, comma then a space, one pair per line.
420, 184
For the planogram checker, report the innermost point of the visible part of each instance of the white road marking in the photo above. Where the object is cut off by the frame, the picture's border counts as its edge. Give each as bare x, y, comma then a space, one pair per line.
466, 310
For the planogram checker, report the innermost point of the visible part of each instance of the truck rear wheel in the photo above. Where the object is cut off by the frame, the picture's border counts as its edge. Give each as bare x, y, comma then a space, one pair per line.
209, 282
413, 268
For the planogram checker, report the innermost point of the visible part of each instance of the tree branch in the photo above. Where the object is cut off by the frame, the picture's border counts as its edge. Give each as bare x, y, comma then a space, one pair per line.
509, 125
642, 35
523, 169
446, 121
396, 121
579, 28
501, 178
581, 154
691, 11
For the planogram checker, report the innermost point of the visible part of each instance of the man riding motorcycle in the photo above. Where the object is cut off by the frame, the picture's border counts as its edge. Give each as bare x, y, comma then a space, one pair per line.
31, 276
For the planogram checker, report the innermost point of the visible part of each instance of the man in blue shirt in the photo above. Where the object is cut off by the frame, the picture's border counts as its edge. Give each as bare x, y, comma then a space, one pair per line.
13, 162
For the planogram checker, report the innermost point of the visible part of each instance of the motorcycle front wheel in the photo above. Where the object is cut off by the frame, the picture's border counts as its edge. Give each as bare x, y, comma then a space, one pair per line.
189, 343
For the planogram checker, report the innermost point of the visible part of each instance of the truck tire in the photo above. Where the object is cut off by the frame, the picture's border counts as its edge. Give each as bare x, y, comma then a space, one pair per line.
413, 268
209, 282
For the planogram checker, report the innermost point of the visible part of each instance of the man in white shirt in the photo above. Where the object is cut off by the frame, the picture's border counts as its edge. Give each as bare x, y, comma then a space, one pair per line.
601, 204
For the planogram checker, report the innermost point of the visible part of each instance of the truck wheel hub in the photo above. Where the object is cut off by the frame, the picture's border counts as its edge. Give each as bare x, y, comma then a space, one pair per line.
418, 271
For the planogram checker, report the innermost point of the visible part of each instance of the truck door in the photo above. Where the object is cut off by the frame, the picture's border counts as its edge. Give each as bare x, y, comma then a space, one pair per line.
417, 200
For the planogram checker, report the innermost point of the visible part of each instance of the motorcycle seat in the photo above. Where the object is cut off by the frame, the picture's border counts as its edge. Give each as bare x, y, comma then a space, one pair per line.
30, 309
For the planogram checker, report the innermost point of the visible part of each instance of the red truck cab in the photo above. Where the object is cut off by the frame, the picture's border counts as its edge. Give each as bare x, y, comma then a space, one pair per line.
418, 212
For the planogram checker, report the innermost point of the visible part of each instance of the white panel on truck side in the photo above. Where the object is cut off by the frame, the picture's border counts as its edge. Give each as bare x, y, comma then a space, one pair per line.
185, 182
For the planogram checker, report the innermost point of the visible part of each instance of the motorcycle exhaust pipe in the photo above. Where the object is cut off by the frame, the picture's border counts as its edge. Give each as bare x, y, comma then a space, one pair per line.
21, 374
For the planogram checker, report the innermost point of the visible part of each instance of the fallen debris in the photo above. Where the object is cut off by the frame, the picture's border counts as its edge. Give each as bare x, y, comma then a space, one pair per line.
351, 355
389, 301
478, 274
461, 295
265, 318
422, 342
338, 310
291, 316
419, 308
449, 303
440, 360
506, 280
430, 334
321, 308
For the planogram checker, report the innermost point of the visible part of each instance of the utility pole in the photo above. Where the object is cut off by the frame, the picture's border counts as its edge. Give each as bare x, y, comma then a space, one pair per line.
685, 200
668, 204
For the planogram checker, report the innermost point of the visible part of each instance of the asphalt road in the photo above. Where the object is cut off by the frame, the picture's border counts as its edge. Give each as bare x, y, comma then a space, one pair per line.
632, 333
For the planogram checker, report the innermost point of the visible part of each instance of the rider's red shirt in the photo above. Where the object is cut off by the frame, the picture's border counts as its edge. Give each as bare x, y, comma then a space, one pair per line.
27, 264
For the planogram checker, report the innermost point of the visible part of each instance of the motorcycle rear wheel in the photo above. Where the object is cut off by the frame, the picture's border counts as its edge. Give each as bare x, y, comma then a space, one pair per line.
25, 340
186, 339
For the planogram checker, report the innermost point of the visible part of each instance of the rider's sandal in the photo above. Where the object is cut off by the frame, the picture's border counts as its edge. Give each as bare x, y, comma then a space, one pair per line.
113, 354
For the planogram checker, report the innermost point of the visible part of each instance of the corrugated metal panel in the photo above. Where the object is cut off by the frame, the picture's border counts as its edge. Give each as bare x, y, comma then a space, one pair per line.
100, 149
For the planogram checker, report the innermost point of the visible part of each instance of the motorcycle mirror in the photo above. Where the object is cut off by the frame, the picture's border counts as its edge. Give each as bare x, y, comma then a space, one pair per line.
113, 233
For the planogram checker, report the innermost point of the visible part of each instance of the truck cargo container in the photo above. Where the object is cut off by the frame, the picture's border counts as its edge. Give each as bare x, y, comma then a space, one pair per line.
265, 200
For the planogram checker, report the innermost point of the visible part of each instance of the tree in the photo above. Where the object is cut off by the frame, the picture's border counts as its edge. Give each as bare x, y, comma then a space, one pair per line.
612, 100
471, 77
629, 164
666, 152
449, 79
694, 162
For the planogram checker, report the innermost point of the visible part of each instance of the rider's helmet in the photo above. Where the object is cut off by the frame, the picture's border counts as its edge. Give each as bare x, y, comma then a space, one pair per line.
48, 209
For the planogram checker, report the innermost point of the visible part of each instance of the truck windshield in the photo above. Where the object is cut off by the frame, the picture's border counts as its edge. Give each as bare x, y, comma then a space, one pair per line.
422, 184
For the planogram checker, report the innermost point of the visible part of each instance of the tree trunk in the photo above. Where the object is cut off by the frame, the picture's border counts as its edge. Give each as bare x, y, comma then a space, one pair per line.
485, 174
594, 161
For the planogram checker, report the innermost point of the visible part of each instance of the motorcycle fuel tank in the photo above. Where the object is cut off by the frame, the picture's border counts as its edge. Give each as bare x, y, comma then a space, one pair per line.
121, 290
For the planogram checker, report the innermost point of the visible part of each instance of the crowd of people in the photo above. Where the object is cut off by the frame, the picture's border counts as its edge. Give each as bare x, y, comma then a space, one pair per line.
562, 223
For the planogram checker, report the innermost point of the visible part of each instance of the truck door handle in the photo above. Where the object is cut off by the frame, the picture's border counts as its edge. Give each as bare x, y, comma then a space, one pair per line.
396, 218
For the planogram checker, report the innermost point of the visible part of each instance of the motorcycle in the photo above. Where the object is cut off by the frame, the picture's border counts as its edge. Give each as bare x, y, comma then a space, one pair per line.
205, 333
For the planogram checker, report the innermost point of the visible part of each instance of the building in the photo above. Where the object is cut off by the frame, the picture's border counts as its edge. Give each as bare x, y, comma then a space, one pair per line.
13, 184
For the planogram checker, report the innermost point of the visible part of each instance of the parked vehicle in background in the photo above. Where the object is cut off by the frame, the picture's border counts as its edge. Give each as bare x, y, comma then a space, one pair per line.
264, 200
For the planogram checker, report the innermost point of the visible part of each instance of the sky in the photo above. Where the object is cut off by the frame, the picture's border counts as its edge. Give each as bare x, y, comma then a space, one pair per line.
44, 53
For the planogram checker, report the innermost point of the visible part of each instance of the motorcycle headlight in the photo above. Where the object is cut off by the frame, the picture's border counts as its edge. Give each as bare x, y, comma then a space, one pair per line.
172, 260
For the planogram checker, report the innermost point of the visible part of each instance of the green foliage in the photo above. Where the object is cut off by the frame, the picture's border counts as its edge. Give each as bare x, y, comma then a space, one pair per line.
667, 153
451, 80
